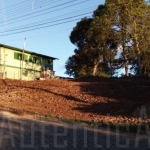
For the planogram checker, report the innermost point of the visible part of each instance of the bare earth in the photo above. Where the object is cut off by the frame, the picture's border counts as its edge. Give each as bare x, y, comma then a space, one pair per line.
96, 100
99, 100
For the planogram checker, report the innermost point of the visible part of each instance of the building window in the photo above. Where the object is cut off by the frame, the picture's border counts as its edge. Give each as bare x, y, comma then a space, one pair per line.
39, 60
35, 59
31, 59
48, 67
20, 56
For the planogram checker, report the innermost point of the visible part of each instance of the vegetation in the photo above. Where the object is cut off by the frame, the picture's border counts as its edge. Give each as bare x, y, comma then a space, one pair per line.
117, 36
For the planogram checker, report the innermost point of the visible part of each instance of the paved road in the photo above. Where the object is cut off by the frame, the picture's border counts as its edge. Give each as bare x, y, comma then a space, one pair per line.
30, 133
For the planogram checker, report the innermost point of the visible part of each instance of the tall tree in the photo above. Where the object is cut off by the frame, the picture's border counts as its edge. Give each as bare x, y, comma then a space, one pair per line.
82, 54
93, 39
135, 16
101, 32
118, 22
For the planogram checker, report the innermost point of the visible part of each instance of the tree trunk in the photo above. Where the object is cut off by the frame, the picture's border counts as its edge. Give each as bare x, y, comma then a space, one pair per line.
95, 68
96, 63
139, 58
137, 49
139, 64
125, 58
126, 66
124, 49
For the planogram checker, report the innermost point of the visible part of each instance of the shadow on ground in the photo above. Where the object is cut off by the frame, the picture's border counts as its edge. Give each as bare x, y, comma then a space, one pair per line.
121, 96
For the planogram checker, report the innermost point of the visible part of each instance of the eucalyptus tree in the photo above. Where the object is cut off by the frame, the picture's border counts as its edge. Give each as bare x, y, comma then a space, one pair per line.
132, 19
118, 22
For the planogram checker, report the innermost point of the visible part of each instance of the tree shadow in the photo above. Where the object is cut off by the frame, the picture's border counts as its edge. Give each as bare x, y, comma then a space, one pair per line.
115, 96
68, 97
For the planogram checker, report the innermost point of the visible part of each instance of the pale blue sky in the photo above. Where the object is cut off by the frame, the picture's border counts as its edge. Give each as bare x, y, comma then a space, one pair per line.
52, 40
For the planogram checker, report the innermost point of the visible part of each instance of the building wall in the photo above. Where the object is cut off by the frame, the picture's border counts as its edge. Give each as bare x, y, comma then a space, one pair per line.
12, 66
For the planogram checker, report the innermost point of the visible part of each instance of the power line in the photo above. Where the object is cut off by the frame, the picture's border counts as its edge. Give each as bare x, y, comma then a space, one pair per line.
30, 37
42, 27
35, 23
43, 13
16, 11
46, 23
43, 10
37, 26
13, 5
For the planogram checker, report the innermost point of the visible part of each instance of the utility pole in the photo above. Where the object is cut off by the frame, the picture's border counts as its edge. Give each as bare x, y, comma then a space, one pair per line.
4, 71
32, 5
22, 59
0, 65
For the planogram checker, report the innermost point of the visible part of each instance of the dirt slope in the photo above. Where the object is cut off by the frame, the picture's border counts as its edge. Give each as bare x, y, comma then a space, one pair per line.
107, 100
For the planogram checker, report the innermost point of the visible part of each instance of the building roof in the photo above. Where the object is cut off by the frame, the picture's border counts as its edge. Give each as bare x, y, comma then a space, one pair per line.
26, 51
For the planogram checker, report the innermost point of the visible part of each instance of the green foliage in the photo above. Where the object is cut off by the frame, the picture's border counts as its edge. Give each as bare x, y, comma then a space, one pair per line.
118, 23
132, 20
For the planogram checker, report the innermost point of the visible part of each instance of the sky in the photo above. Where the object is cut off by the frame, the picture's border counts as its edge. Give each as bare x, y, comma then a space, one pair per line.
46, 25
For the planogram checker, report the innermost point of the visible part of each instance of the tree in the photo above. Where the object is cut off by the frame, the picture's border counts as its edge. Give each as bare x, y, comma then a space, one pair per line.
102, 34
79, 64
90, 38
118, 23
131, 17
82, 56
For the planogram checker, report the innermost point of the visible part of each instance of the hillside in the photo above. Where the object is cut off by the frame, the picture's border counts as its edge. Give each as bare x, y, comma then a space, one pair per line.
90, 99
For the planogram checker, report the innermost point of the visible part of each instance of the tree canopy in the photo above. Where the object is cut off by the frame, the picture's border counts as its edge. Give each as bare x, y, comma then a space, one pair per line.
117, 36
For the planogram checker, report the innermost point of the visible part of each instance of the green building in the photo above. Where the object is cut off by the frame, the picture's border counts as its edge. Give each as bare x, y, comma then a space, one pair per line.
17, 63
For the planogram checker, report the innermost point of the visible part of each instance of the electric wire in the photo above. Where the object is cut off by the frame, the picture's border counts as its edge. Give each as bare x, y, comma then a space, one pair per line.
35, 36
42, 10
41, 27
13, 5
46, 23
9, 22
23, 9
35, 23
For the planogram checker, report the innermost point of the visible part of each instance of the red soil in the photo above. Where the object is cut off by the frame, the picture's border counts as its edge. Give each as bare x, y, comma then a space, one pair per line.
107, 100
